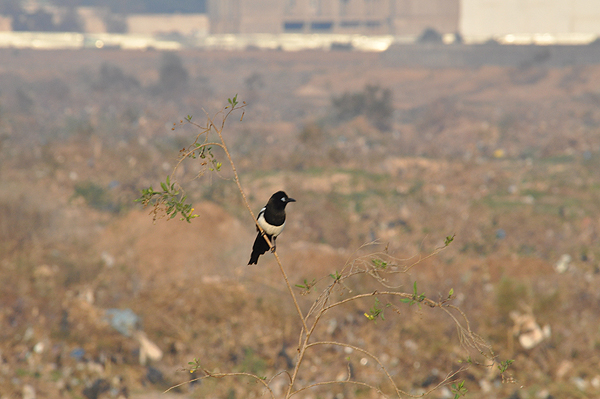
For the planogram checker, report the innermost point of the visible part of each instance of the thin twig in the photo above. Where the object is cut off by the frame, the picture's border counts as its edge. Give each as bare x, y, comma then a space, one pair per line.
366, 352
223, 375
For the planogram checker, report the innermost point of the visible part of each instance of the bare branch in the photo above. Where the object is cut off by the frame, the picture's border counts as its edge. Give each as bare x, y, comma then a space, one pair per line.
223, 375
366, 352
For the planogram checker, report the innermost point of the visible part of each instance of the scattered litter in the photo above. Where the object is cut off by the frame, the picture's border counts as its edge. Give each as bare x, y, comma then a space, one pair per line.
28, 392
148, 349
564, 368
108, 259
411, 345
529, 199
332, 326
528, 330
563, 263
29, 333
77, 353
39, 347
124, 321
580, 383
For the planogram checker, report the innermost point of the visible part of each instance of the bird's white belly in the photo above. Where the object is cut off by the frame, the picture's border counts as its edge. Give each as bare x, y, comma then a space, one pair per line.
269, 229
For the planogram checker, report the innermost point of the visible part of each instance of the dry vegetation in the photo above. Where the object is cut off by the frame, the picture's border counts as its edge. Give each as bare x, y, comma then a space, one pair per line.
506, 158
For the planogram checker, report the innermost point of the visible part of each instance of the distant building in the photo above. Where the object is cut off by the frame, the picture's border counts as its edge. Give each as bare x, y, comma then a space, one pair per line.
183, 24
523, 21
93, 19
101, 20
394, 17
5, 23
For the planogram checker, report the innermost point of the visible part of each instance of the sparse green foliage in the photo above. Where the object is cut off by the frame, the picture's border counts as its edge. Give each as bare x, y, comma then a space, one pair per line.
374, 102
503, 366
379, 263
307, 285
232, 102
194, 365
169, 200
96, 196
416, 297
449, 239
459, 389
205, 153
375, 312
336, 276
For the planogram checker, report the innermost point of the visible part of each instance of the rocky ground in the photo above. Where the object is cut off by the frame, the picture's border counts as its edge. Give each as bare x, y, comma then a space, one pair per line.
99, 302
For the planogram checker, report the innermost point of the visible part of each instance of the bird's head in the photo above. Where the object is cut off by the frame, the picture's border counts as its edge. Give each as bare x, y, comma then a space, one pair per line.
280, 199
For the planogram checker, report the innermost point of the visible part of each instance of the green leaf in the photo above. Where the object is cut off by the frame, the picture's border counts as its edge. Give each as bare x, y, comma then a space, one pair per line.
233, 101
375, 312
379, 263
503, 366
459, 390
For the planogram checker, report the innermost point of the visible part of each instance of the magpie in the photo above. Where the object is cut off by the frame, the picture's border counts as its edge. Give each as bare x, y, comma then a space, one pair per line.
271, 219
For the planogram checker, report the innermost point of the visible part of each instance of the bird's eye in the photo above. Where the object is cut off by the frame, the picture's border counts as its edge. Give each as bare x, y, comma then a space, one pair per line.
283, 199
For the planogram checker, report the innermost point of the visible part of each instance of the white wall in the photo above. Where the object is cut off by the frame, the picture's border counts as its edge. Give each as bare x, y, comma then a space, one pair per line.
483, 19
185, 24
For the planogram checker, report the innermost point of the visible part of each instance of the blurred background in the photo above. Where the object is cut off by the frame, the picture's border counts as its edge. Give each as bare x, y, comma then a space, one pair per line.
395, 121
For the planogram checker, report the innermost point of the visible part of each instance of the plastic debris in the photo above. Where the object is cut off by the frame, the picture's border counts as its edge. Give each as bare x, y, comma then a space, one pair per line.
528, 331
124, 321
563, 263
148, 349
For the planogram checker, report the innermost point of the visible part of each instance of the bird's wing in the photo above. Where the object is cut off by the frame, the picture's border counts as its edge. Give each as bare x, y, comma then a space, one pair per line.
258, 217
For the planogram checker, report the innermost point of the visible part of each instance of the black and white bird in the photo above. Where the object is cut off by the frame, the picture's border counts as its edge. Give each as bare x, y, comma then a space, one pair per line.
272, 220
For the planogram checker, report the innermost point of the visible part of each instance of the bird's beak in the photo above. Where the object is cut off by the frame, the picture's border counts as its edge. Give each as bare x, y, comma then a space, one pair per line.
290, 200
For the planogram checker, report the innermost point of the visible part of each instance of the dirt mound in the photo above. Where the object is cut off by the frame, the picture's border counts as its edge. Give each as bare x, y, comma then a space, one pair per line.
214, 243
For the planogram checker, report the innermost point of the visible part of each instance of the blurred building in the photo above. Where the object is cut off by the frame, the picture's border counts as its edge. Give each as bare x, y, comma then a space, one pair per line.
182, 24
101, 20
523, 21
93, 19
394, 17
5, 23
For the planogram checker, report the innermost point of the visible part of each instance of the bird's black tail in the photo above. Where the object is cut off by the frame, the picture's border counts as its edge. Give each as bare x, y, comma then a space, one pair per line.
260, 247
